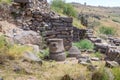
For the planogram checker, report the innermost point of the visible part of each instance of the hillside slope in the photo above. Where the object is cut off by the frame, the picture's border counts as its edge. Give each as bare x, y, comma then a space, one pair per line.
99, 16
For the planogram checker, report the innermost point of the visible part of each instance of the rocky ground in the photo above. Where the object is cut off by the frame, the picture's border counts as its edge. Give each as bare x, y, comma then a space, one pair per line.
49, 70
20, 56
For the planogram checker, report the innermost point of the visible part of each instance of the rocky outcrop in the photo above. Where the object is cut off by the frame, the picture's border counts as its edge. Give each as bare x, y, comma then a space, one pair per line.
20, 36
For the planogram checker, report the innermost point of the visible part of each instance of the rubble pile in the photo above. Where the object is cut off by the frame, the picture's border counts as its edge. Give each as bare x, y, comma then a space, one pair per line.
113, 54
114, 41
111, 48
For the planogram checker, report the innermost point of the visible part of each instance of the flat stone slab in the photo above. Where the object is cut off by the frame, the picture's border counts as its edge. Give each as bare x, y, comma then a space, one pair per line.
22, 1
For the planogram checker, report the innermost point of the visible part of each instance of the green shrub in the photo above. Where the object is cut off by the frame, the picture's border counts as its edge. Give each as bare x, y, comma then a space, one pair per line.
7, 1
116, 72
107, 30
62, 7
13, 51
69, 10
84, 44
16, 51
44, 54
58, 3
3, 45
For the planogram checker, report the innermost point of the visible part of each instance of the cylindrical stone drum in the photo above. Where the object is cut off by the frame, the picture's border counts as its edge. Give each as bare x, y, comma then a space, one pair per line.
56, 49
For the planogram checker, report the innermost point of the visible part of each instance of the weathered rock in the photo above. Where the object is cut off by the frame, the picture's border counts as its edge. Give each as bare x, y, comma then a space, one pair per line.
74, 52
111, 64
1, 78
84, 60
56, 49
95, 59
113, 54
22, 1
27, 37
31, 57
101, 47
36, 48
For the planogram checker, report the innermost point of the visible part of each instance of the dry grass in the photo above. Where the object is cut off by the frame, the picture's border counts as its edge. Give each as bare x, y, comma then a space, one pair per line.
48, 71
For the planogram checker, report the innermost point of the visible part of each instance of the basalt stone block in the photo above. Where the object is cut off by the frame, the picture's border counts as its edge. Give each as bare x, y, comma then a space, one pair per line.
111, 64
22, 1
56, 49
57, 24
58, 57
51, 33
66, 19
64, 36
64, 28
74, 52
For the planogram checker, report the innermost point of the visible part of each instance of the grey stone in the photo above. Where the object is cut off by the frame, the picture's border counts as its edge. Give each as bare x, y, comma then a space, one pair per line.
31, 57
58, 57
74, 52
36, 48
56, 49
22, 1
111, 64
1, 78
85, 60
95, 59
27, 37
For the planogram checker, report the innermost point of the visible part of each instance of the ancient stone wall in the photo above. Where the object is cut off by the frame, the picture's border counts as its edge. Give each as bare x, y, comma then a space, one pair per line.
62, 28
36, 15
78, 34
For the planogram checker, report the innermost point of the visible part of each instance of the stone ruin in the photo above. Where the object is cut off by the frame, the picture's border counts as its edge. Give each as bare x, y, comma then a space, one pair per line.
78, 34
110, 48
36, 15
57, 51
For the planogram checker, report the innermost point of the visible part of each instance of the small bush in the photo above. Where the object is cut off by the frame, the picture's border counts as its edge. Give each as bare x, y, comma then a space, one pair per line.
16, 51
116, 72
107, 30
69, 10
84, 44
3, 45
12, 51
6, 1
44, 54
62, 7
